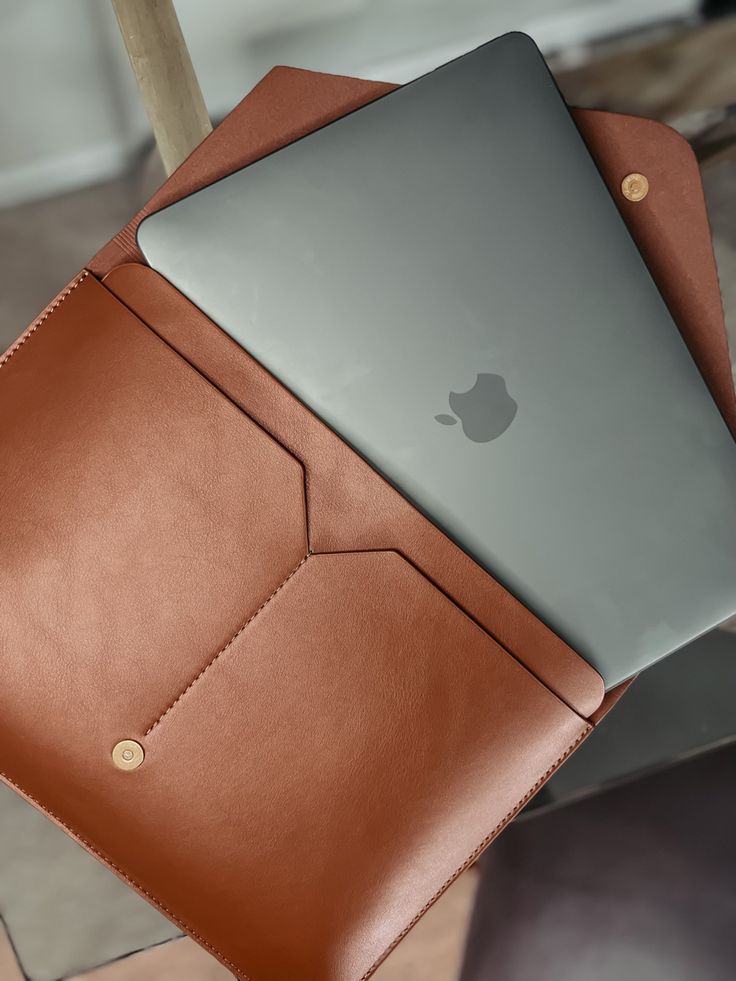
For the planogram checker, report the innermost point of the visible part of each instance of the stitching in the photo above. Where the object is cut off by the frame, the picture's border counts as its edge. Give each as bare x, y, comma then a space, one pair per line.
475, 623
136, 885
226, 648
26, 335
474, 854
98, 853
218, 953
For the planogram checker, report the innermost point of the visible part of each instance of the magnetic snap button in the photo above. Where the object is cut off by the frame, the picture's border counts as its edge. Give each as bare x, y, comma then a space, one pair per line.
128, 755
635, 187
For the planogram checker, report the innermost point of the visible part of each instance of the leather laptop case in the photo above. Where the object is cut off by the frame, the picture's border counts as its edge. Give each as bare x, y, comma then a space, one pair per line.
337, 709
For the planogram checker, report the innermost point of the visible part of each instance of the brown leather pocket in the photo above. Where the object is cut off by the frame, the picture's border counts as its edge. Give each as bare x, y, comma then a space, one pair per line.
351, 507
361, 726
329, 739
144, 516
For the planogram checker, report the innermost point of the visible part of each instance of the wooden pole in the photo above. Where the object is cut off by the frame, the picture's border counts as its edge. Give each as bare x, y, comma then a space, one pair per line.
163, 69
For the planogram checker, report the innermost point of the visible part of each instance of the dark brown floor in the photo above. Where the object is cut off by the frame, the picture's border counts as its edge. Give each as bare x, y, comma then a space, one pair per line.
637, 884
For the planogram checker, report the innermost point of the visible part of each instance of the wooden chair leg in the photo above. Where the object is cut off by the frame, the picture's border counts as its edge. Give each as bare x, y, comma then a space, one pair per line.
166, 79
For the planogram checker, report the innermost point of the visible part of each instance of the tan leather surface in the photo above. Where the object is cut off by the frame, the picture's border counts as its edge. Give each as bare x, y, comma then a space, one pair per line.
350, 506
329, 739
329, 745
127, 523
671, 229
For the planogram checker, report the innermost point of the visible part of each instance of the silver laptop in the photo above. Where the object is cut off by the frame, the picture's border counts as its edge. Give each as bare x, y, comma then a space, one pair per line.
443, 277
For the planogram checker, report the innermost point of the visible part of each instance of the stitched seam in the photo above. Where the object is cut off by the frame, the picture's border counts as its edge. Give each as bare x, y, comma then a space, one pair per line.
211, 947
476, 852
98, 853
136, 885
88, 845
41, 320
223, 650
475, 623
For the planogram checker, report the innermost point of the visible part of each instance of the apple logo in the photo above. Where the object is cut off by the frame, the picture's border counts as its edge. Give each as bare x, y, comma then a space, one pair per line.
485, 411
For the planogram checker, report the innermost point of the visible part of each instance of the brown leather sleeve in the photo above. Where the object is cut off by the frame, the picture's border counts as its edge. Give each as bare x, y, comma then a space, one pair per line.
338, 709
330, 735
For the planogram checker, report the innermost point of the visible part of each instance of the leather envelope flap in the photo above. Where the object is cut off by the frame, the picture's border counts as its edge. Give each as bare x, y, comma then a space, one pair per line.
143, 515
326, 738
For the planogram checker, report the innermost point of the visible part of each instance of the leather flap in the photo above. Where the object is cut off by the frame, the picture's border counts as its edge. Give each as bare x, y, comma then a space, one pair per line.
670, 226
319, 738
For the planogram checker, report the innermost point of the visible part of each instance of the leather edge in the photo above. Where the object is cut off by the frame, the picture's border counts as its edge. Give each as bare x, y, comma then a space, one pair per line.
610, 699
170, 915
475, 855
43, 316
120, 873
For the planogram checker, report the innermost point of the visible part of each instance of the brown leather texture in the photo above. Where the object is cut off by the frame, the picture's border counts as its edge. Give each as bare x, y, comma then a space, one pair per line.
339, 710
350, 506
329, 737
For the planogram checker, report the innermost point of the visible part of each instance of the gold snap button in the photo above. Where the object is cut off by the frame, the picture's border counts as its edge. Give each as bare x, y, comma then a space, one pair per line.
635, 187
128, 755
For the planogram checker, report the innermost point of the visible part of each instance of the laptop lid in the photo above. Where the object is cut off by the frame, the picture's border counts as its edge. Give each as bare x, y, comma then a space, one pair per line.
443, 277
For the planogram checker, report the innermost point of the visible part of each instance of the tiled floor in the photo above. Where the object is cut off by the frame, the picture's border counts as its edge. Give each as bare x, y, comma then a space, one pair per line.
179, 960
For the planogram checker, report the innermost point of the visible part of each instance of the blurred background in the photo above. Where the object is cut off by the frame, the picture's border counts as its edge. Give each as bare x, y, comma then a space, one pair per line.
71, 119
626, 864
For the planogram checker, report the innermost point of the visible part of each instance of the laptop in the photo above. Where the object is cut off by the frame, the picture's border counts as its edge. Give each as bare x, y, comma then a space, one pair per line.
443, 277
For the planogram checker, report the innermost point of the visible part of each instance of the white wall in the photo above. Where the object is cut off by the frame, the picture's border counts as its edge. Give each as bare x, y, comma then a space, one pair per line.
67, 103
69, 113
